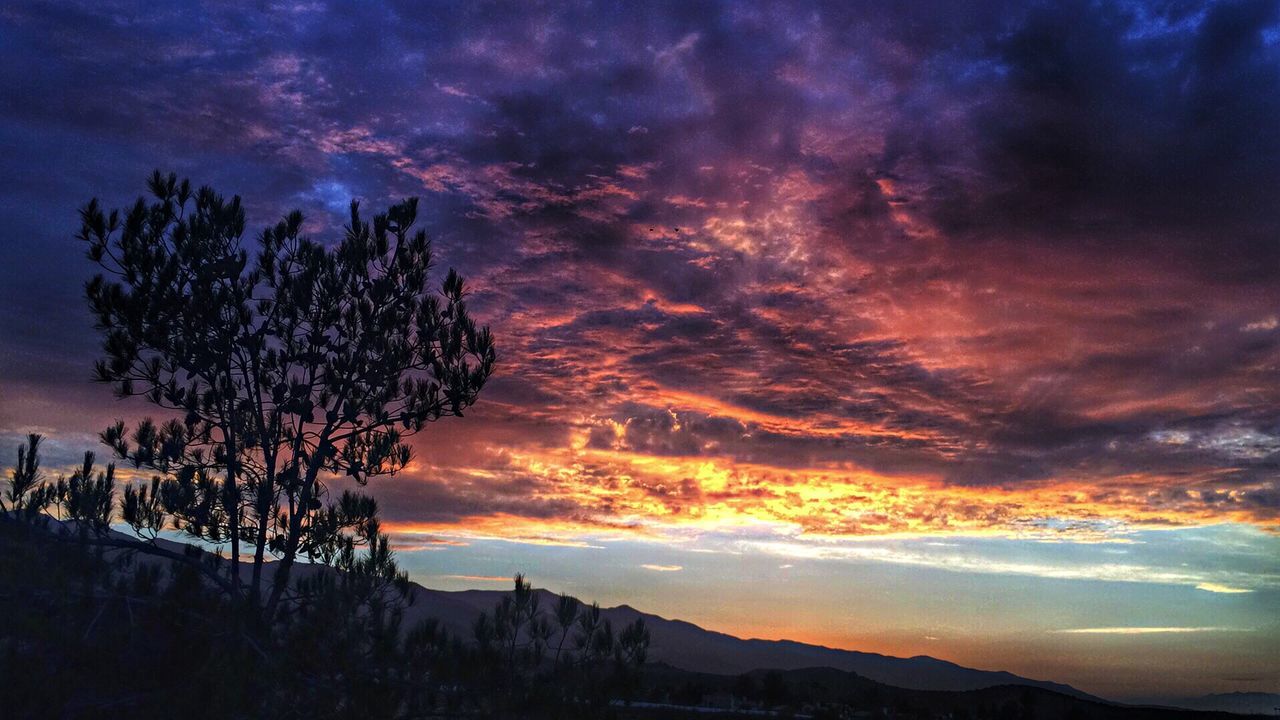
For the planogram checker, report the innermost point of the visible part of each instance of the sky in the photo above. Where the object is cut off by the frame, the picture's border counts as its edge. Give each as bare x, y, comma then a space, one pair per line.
919, 328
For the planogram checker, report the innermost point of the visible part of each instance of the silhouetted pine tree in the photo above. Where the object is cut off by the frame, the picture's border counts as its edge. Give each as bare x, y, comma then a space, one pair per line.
286, 370
285, 366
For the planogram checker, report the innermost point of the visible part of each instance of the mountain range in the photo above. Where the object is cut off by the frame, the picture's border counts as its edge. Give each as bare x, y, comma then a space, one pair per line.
686, 646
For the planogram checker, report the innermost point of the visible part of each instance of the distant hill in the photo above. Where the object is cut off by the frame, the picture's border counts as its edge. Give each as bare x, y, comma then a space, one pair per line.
686, 646
817, 691
1236, 702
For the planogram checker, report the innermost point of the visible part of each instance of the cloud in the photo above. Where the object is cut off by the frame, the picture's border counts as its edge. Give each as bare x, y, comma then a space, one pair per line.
662, 568
987, 564
479, 578
845, 271
1216, 588
1145, 630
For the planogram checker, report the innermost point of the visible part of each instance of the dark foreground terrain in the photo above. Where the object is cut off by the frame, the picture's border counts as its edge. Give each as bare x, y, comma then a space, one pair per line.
91, 634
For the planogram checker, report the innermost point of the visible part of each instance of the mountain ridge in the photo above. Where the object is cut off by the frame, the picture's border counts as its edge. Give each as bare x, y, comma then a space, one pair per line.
688, 646
1239, 702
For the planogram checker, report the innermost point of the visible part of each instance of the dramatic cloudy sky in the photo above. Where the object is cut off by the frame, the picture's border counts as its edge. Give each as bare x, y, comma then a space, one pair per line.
911, 328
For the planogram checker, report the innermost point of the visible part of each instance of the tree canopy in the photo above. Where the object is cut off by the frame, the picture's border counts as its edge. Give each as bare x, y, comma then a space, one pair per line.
285, 363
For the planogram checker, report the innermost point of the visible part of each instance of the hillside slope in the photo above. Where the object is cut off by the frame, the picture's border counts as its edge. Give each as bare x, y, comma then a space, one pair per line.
686, 646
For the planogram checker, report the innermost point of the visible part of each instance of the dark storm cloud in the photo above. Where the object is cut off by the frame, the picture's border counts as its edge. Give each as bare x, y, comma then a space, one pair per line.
1115, 123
